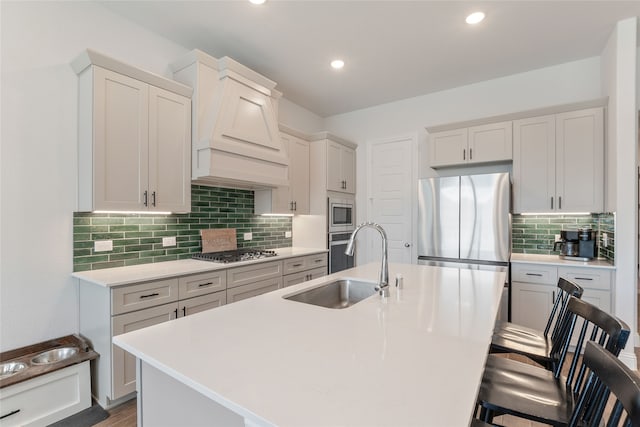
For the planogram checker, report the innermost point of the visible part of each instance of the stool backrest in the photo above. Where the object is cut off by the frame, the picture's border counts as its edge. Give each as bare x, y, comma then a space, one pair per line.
608, 375
588, 323
566, 289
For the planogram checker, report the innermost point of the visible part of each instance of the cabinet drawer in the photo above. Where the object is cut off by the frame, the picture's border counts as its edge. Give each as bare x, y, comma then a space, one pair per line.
253, 289
588, 278
135, 297
46, 399
202, 284
253, 273
314, 261
293, 265
534, 273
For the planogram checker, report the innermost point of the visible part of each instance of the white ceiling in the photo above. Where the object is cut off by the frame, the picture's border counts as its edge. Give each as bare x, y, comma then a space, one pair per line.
392, 49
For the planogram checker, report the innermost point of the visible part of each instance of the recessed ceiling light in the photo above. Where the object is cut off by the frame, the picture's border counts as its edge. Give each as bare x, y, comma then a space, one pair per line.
475, 17
257, 1
337, 64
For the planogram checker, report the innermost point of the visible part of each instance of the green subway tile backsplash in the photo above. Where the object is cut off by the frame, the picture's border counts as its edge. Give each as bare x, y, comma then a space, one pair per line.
535, 234
137, 238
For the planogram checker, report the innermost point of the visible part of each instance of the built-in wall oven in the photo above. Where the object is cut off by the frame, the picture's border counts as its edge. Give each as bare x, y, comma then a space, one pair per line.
338, 260
342, 216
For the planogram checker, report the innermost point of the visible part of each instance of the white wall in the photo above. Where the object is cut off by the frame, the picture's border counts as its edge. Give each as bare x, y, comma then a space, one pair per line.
299, 118
619, 83
38, 298
39, 138
561, 84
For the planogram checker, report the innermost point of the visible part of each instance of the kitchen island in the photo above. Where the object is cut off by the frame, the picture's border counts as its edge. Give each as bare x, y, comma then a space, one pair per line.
414, 358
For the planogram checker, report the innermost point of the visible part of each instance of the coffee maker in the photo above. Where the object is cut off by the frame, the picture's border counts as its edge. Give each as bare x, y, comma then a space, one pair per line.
579, 245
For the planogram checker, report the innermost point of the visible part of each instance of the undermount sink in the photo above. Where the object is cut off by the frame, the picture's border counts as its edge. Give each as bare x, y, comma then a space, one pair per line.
55, 355
10, 368
341, 293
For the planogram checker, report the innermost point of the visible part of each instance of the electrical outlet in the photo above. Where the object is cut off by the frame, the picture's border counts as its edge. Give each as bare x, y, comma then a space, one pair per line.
287, 234
248, 236
556, 237
168, 241
103, 245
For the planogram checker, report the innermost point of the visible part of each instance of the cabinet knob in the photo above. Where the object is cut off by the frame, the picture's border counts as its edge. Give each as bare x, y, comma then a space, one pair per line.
406, 245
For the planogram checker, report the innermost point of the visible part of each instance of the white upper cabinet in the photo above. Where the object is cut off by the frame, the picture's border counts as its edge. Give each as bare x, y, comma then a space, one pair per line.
558, 163
235, 138
341, 168
134, 138
471, 145
292, 199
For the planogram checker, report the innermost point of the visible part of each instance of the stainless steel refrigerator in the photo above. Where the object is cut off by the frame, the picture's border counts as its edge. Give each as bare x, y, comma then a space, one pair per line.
465, 221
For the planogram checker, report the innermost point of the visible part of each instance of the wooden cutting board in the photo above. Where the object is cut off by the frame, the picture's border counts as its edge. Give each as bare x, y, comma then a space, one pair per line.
218, 239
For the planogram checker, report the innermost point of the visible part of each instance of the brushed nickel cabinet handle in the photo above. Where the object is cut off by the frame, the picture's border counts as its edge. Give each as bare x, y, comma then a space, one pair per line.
470, 153
560, 202
202, 285
145, 195
534, 274
464, 154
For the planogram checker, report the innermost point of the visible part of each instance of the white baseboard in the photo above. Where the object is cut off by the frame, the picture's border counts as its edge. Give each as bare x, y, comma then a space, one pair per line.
628, 357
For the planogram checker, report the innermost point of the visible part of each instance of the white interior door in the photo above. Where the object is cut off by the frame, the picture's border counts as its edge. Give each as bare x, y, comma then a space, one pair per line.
392, 193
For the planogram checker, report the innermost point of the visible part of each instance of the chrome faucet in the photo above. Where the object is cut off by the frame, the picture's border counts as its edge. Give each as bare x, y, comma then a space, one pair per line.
383, 285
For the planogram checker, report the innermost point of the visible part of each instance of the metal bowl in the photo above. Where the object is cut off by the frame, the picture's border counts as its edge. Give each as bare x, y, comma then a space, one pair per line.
10, 368
55, 355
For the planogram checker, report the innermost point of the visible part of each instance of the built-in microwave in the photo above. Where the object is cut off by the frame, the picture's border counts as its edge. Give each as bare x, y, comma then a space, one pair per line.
342, 215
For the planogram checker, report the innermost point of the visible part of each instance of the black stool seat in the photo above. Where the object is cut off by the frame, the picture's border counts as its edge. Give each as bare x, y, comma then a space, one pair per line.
547, 400
513, 338
536, 345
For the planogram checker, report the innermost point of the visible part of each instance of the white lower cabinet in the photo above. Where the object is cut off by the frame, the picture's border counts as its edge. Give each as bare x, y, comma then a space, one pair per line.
253, 280
46, 399
534, 287
106, 312
124, 364
295, 278
302, 269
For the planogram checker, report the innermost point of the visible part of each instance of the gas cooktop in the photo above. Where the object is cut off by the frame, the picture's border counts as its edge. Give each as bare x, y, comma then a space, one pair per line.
235, 255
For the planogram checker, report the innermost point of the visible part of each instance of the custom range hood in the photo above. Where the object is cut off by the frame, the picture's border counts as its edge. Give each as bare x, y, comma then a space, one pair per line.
235, 136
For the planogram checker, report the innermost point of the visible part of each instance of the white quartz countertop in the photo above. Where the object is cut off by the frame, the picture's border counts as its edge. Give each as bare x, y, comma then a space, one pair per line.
118, 276
556, 260
415, 358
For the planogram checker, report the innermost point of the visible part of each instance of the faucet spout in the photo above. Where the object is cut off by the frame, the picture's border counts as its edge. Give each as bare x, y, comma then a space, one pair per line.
383, 283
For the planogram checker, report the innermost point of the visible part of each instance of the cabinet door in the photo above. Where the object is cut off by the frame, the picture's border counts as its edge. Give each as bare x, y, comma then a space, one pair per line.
120, 141
534, 165
490, 143
349, 169
531, 304
580, 161
253, 289
202, 303
299, 175
448, 147
334, 167
169, 151
123, 372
